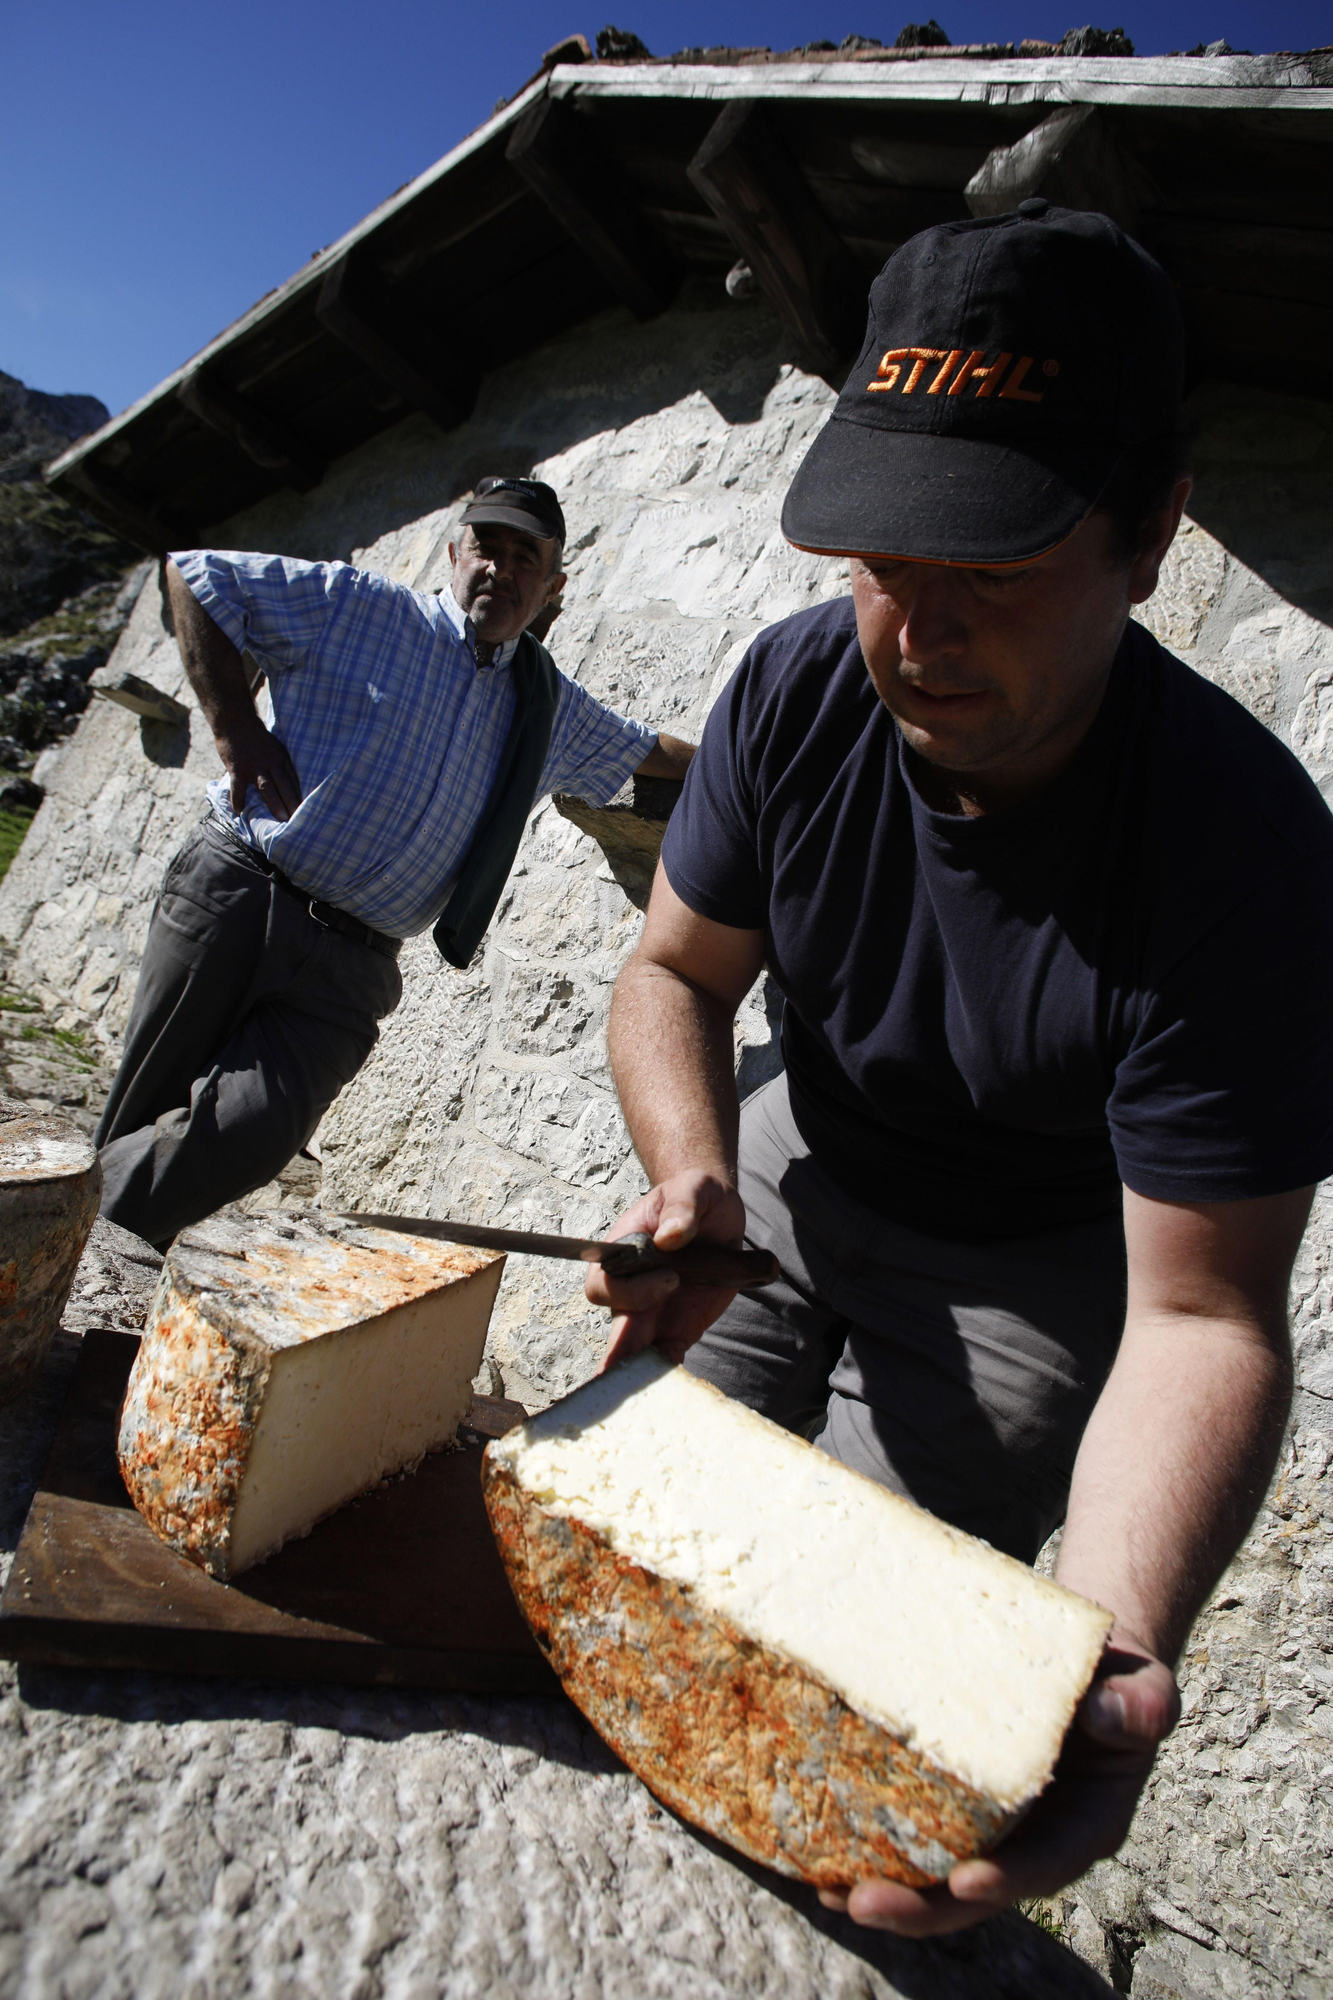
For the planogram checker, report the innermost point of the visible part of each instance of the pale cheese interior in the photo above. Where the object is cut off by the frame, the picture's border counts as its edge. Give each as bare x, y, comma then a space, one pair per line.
961, 1651
342, 1410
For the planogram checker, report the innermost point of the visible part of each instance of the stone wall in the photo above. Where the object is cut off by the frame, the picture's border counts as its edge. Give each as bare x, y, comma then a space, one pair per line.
489, 1095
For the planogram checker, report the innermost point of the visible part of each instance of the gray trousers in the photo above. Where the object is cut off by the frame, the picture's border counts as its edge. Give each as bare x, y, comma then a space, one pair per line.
248, 1019
959, 1374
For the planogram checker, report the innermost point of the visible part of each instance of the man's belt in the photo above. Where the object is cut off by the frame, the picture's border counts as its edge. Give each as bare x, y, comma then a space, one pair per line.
323, 913
338, 920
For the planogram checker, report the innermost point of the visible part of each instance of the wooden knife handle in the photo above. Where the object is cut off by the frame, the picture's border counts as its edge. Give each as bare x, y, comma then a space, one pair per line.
697, 1263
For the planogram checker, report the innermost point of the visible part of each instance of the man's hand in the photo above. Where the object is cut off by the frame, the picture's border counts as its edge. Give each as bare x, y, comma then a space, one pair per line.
254, 756
1083, 1815
671, 1051
656, 1309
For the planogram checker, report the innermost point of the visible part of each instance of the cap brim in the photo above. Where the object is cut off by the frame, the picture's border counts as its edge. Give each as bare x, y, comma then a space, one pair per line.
501, 514
862, 491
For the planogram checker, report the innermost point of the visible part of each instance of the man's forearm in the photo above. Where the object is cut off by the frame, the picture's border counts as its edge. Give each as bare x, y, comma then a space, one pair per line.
212, 664
216, 672
669, 758
1173, 1465
671, 1054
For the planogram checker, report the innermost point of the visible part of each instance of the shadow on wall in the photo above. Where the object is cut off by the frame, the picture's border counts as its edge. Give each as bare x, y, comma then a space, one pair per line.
166, 744
1264, 487
1264, 490
600, 376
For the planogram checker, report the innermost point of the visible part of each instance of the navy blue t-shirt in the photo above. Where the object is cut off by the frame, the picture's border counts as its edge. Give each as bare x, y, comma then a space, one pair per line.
991, 1023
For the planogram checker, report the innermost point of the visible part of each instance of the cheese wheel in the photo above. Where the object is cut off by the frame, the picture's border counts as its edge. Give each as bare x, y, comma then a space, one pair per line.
289, 1364
50, 1187
790, 1656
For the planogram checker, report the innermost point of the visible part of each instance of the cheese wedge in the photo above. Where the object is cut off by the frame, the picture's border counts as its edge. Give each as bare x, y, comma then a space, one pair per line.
795, 1659
288, 1365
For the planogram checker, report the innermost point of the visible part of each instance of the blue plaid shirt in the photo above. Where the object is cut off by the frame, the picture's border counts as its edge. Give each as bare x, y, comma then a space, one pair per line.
395, 731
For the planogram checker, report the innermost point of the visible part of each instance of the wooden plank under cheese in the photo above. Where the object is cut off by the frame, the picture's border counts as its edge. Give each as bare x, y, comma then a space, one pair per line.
795, 1659
288, 1365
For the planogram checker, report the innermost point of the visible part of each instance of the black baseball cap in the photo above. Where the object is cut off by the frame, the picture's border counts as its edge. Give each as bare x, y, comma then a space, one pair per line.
1009, 363
516, 503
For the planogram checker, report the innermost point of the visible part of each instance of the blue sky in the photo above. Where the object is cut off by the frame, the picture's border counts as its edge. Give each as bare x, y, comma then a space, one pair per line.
161, 167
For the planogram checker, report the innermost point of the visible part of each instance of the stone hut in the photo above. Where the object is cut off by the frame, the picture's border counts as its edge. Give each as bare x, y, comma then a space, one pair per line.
639, 281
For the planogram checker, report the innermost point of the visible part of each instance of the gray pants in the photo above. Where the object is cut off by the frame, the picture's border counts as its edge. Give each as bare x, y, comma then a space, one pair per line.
959, 1374
248, 1020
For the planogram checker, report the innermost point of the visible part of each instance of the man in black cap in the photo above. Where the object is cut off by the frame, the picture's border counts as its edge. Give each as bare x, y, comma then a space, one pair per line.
406, 740
1050, 915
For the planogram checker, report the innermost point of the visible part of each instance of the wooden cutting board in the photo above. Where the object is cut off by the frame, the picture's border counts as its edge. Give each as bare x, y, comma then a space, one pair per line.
403, 1587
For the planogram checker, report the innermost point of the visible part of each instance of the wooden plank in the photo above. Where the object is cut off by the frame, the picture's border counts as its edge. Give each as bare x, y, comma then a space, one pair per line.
561, 161
766, 206
1289, 87
260, 437
401, 1587
447, 395
1070, 158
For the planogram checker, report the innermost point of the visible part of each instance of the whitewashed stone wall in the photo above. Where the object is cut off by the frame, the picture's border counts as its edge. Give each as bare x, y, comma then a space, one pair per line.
489, 1095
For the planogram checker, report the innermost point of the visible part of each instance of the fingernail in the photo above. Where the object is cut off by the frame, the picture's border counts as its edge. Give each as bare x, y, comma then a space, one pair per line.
1108, 1709
977, 1885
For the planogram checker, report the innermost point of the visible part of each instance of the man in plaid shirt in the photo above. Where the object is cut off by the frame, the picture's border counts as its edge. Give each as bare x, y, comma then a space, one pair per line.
384, 791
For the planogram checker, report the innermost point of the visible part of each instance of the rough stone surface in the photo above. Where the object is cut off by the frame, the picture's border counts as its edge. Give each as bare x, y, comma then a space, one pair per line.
489, 1097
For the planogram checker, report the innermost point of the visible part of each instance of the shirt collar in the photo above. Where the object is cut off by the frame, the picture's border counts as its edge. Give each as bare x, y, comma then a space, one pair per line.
463, 631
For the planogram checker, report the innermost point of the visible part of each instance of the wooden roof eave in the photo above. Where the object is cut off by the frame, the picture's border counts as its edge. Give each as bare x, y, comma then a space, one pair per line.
537, 140
309, 277
1258, 83
1229, 82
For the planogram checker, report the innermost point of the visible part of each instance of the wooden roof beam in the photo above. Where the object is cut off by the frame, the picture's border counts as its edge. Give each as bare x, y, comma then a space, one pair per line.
93, 486
263, 440
763, 201
1071, 158
559, 158
446, 394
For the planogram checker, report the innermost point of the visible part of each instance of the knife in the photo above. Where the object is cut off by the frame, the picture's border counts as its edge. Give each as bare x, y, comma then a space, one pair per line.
627, 1257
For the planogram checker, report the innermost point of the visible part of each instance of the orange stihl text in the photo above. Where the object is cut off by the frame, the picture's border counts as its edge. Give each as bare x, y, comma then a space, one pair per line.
902, 368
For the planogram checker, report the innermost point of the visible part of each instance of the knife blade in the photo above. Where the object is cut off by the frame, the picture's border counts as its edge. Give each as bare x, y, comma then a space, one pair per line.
626, 1257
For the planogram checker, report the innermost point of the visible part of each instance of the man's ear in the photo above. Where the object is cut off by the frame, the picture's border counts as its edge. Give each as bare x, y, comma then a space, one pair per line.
555, 586
1146, 566
453, 556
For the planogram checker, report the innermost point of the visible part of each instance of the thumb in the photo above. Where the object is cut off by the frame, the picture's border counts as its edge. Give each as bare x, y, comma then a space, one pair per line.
678, 1223
1127, 1710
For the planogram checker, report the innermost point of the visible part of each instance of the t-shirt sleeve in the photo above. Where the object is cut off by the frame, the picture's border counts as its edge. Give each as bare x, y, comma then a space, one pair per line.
275, 608
711, 849
593, 750
1226, 1092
